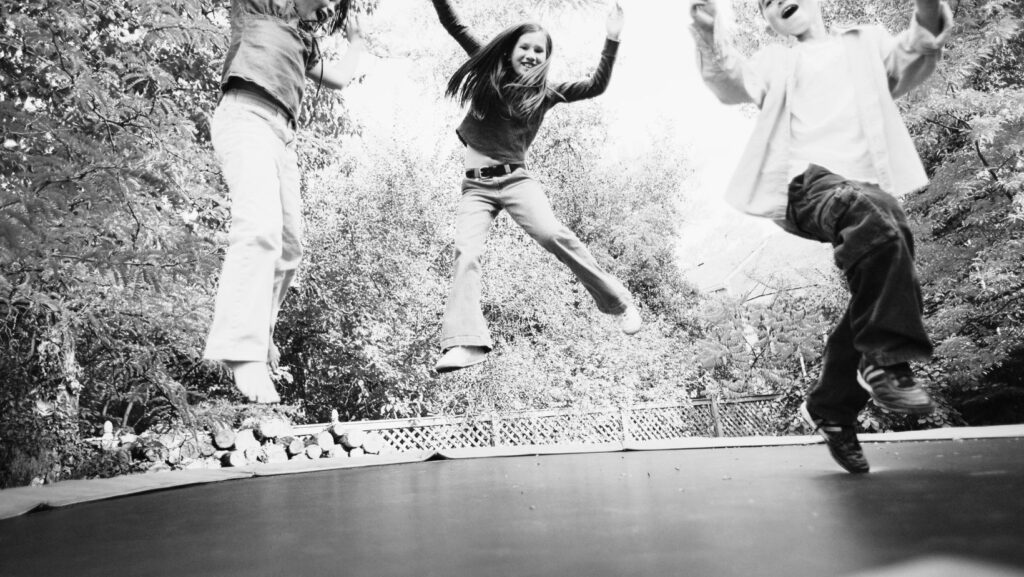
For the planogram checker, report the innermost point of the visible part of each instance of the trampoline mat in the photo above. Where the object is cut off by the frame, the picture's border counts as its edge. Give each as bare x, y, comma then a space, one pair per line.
785, 510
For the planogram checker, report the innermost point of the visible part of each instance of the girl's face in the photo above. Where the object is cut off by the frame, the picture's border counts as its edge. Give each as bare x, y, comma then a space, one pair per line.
530, 51
319, 10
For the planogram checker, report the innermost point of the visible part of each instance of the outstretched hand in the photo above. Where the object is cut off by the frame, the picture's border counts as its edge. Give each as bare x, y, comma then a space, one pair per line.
616, 20
703, 14
353, 30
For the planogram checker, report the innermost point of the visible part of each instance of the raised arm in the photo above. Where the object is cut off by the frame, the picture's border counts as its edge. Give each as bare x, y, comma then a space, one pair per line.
338, 74
731, 77
598, 81
912, 55
459, 31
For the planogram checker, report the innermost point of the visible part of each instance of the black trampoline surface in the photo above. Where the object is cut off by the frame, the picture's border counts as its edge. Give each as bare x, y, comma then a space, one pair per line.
784, 510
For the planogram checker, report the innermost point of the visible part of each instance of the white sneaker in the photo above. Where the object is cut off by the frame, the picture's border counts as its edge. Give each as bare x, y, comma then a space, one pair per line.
459, 358
629, 320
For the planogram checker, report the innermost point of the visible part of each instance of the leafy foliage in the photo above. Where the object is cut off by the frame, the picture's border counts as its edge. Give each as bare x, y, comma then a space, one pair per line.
108, 202
970, 220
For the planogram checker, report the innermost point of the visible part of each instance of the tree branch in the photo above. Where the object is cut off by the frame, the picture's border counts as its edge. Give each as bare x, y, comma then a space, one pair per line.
984, 161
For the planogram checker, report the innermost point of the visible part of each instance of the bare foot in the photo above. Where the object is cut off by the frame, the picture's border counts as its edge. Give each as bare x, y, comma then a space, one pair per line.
253, 380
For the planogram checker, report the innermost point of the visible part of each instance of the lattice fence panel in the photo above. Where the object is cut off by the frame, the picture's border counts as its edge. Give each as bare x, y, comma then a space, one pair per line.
747, 418
741, 417
559, 429
600, 427
434, 437
657, 423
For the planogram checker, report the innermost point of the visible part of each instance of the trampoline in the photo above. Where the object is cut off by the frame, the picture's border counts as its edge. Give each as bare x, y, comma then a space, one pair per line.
935, 508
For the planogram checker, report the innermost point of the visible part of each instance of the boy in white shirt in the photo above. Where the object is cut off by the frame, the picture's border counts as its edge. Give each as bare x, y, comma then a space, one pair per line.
828, 152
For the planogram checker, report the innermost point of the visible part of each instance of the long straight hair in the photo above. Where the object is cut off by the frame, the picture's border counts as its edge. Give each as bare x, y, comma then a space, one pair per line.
340, 16
328, 26
488, 82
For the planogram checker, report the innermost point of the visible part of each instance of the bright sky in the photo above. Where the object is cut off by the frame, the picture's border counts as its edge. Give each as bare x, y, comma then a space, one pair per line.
655, 83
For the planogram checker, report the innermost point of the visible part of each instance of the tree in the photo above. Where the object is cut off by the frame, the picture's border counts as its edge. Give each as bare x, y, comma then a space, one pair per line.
970, 220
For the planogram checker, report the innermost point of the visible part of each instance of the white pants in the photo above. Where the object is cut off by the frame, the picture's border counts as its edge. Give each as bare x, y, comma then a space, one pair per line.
256, 150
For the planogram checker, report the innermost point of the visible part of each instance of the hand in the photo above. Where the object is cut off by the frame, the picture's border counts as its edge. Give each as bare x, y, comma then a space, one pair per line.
353, 31
616, 20
703, 14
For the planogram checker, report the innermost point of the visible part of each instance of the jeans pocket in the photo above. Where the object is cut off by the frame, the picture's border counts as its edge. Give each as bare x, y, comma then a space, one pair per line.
863, 226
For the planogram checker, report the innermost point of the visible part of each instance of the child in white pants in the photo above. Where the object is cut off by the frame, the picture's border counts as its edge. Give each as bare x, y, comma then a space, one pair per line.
273, 49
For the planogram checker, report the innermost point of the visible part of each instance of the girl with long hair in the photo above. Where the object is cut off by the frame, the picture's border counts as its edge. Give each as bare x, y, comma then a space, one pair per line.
273, 49
505, 85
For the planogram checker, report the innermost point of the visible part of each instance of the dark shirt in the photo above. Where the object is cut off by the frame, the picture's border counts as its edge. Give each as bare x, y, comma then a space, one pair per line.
269, 49
506, 138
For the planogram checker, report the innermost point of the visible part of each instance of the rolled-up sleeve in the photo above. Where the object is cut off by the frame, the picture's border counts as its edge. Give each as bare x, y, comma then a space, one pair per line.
912, 55
732, 78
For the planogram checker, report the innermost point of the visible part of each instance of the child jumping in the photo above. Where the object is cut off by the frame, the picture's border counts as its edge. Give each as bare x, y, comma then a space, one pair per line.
828, 153
273, 49
505, 84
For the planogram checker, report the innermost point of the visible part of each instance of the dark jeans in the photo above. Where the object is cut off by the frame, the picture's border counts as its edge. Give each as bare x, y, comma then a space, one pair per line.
875, 250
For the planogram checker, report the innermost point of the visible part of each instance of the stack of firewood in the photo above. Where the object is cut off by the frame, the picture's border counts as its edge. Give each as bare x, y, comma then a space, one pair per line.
265, 440
274, 441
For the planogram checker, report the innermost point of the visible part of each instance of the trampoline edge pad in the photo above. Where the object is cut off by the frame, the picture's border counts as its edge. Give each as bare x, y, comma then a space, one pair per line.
22, 500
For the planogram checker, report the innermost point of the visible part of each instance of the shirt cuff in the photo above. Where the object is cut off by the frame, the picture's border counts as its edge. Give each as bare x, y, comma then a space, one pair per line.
919, 40
709, 52
611, 47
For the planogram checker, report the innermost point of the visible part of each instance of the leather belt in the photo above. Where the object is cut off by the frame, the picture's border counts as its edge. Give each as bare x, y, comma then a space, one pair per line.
492, 171
250, 93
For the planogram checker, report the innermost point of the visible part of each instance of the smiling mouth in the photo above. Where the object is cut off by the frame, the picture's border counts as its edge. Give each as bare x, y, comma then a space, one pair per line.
528, 64
789, 11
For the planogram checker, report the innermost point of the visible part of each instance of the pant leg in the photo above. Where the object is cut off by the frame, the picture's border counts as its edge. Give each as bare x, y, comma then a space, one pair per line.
291, 232
837, 396
874, 249
464, 323
249, 144
525, 201
886, 306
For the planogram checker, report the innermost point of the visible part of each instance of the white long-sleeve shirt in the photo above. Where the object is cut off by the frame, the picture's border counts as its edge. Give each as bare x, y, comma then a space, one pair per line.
882, 68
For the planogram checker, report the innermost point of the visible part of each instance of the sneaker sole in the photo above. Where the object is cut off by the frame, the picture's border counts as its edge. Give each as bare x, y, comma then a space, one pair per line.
905, 409
443, 370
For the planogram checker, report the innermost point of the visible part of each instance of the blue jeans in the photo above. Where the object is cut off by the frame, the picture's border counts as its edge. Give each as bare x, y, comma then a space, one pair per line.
875, 250
524, 199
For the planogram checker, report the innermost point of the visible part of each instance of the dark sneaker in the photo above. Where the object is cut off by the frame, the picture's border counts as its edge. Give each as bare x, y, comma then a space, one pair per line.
893, 388
841, 439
